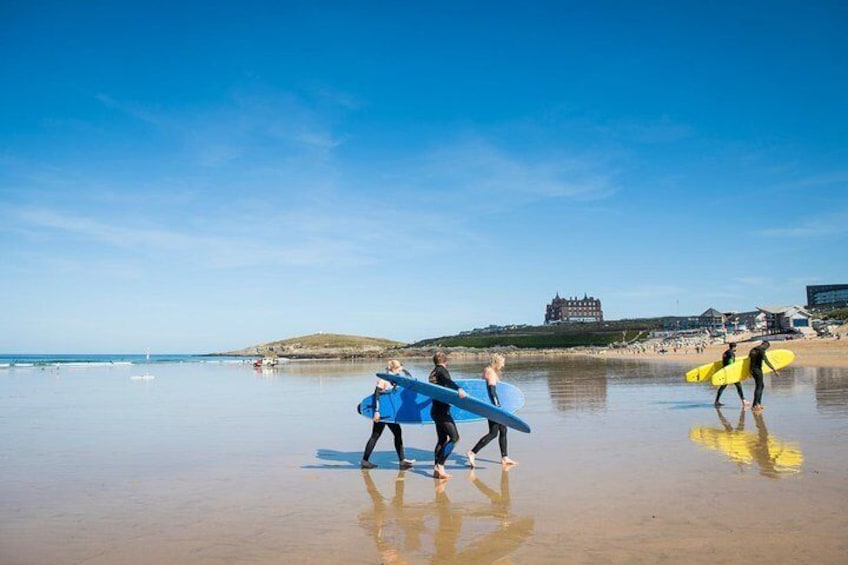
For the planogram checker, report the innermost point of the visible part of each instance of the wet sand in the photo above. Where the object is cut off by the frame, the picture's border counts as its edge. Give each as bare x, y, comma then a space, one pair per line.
626, 463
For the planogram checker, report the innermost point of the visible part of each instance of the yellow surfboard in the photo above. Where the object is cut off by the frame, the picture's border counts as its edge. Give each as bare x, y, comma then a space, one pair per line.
702, 373
741, 370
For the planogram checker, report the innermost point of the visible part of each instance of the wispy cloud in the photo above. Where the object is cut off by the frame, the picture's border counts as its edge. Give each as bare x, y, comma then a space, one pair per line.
251, 124
828, 225
218, 251
477, 168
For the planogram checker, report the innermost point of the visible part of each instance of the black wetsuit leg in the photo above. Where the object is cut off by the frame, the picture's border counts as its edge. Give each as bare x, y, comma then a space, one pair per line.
495, 430
757, 375
739, 391
376, 431
447, 437
718, 394
396, 431
502, 439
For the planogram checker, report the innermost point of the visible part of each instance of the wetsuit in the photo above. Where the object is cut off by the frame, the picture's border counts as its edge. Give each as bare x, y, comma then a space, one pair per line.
729, 358
495, 429
377, 431
757, 355
446, 433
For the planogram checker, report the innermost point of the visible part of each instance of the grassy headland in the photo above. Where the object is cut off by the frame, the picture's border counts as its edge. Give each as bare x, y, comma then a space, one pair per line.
553, 336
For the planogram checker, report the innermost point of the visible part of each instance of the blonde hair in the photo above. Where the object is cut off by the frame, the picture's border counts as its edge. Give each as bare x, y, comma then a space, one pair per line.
439, 358
393, 366
497, 363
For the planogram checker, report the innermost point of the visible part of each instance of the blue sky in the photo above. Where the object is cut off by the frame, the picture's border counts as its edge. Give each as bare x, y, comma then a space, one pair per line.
203, 176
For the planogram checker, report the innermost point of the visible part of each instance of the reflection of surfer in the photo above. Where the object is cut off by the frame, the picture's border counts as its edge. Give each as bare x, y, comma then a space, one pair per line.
449, 526
446, 433
775, 457
727, 359
740, 426
395, 367
492, 374
500, 500
757, 356
510, 532
381, 525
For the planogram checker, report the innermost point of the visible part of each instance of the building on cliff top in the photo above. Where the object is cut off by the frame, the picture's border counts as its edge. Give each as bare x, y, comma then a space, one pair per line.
568, 310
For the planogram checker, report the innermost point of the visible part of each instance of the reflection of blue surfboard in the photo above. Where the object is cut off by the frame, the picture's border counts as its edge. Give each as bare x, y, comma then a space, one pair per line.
482, 408
405, 406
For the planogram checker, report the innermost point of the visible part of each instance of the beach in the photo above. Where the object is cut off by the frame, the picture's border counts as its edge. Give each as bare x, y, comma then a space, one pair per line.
221, 463
817, 352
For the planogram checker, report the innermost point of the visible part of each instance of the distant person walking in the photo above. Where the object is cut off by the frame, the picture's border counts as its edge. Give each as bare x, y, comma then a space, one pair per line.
395, 367
447, 436
757, 357
727, 359
492, 375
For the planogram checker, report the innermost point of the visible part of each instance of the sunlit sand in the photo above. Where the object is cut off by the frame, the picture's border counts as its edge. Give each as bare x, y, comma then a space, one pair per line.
221, 464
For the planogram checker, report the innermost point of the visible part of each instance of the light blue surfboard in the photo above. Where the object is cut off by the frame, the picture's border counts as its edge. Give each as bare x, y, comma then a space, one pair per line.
482, 408
405, 406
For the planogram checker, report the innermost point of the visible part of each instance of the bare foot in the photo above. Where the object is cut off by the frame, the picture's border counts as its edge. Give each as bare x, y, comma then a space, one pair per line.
470, 456
758, 408
439, 473
506, 461
745, 403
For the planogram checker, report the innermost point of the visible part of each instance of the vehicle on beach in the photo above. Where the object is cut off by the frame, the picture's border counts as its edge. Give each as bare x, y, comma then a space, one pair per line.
267, 362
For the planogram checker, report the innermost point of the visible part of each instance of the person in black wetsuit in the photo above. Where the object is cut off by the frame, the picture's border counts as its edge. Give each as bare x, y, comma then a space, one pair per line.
393, 366
728, 358
757, 356
492, 374
446, 433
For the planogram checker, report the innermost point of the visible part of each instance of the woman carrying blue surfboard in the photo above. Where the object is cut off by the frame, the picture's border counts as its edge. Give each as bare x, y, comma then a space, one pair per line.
393, 366
492, 375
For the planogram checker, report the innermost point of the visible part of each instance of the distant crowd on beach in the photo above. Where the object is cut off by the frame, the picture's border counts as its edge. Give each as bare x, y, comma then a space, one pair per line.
673, 345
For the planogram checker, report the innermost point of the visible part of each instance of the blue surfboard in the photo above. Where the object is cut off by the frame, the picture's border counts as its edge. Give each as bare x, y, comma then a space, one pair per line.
404, 406
482, 408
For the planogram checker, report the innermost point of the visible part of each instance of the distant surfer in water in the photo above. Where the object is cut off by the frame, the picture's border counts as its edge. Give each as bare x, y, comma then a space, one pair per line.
492, 375
446, 433
757, 356
393, 366
727, 359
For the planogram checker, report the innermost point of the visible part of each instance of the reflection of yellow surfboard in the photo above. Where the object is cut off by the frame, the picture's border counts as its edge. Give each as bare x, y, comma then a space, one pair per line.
741, 370
702, 373
774, 456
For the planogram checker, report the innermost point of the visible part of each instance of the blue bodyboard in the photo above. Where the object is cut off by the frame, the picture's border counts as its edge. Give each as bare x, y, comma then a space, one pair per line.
410, 404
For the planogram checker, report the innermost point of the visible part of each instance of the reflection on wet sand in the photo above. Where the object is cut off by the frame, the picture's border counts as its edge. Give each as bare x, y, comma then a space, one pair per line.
575, 391
397, 528
831, 390
774, 457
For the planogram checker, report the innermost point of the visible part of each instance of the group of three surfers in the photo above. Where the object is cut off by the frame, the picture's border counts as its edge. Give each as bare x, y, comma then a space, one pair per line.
446, 431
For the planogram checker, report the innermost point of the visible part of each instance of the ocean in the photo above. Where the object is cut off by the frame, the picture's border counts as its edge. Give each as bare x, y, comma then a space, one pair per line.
20, 360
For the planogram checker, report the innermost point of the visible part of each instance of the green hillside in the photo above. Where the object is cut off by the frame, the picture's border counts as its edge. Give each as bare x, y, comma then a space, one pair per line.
553, 336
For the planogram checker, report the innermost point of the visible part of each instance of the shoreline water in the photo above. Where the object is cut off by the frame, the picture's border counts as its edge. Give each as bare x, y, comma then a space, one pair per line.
815, 352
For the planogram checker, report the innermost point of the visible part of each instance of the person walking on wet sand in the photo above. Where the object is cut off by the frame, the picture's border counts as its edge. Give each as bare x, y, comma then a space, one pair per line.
395, 367
757, 357
728, 358
492, 375
447, 436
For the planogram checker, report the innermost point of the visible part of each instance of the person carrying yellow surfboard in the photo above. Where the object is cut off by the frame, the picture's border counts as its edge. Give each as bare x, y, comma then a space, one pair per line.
728, 358
757, 356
